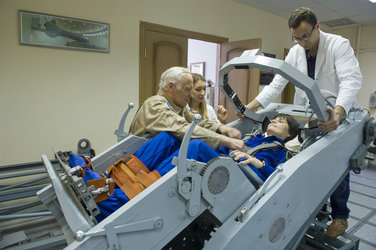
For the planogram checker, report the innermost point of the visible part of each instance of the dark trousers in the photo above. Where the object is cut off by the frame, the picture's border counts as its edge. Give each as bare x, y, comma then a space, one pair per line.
339, 199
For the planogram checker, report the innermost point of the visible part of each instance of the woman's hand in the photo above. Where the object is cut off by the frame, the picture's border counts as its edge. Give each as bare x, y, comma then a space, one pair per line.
222, 114
248, 159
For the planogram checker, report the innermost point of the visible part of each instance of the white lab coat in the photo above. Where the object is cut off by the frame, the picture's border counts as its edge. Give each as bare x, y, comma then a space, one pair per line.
337, 70
211, 113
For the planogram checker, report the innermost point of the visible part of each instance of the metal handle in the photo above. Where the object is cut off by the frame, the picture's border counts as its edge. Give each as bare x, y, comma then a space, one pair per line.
121, 134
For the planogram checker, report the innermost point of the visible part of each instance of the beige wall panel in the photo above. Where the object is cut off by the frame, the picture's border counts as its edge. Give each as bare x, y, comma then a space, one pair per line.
54, 97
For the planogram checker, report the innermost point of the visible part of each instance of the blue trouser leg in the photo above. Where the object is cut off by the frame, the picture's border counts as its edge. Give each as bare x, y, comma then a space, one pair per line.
151, 154
197, 150
339, 199
154, 151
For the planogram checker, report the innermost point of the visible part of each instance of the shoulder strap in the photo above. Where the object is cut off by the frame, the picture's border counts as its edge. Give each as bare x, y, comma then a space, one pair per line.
253, 133
263, 146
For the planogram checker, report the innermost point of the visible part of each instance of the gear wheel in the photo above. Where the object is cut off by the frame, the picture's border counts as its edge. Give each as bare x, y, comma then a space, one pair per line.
215, 175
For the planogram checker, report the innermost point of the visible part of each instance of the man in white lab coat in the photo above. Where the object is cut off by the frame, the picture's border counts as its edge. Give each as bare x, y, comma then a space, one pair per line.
330, 61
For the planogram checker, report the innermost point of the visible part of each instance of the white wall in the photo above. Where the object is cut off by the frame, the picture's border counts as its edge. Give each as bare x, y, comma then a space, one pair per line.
54, 97
363, 40
201, 51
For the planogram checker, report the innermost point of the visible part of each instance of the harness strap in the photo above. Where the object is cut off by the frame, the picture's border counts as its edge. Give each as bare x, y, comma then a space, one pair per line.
251, 135
263, 146
131, 175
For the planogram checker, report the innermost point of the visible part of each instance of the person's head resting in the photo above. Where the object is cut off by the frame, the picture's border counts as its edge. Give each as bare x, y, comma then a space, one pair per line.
304, 27
283, 126
176, 83
198, 95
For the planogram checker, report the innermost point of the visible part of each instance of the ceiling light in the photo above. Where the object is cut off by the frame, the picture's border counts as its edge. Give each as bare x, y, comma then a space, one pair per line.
372, 1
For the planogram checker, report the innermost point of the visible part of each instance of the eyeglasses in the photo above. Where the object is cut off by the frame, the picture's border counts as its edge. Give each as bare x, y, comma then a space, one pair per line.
305, 37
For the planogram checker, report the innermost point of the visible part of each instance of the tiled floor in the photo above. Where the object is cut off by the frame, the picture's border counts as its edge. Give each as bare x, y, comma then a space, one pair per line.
362, 202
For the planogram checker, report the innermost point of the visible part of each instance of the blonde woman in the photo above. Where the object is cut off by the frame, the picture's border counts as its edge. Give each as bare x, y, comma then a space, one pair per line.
198, 104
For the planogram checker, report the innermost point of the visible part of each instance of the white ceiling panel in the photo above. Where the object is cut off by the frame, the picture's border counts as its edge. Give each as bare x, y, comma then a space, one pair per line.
340, 4
360, 11
357, 11
268, 7
366, 19
288, 4
319, 10
326, 16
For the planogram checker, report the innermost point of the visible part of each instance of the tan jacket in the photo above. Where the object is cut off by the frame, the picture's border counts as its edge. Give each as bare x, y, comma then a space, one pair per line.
157, 114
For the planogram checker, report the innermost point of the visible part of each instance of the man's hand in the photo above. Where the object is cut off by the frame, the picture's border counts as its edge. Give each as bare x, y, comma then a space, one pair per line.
231, 143
333, 122
253, 106
230, 132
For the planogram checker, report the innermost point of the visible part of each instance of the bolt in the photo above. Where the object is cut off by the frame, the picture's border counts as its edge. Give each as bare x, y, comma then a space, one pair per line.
185, 187
158, 223
182, 215
280, 168
194, 210
171, 192
80, 235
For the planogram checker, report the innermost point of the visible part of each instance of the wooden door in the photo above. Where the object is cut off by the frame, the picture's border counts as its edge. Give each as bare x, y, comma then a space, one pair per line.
162, 47
245, 83
161, 52
288, 92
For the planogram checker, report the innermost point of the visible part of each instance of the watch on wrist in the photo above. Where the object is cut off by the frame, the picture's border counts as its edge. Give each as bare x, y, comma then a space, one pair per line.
263, 164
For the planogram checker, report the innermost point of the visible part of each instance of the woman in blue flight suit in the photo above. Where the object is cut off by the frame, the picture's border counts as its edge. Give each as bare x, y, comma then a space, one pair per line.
157, 154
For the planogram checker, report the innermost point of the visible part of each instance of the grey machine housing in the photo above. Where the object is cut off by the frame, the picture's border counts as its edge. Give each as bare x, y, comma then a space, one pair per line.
246, 212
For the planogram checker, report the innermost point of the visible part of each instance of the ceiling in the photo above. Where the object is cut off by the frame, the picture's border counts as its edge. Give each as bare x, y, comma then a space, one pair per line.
332, 14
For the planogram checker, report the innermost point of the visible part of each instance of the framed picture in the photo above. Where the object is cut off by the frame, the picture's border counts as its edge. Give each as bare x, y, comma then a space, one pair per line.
63, 32
198, 68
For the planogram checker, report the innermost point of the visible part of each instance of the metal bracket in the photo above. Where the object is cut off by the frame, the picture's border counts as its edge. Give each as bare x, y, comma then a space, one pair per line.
111, 232
84, 148
121, 134
370, 132
74, 216
105, 189
189, 182
360, 153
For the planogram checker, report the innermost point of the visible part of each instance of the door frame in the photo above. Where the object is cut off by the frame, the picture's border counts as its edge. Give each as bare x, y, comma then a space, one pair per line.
146, 26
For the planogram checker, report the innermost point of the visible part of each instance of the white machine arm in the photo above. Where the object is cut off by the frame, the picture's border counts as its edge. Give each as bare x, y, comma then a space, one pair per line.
252, 58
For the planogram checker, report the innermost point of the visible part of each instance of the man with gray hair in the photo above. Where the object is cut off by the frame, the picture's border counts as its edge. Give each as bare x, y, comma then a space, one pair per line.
168, 112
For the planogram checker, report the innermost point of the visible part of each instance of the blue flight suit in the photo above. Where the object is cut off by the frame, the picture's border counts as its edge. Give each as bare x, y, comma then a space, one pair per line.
157, 154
